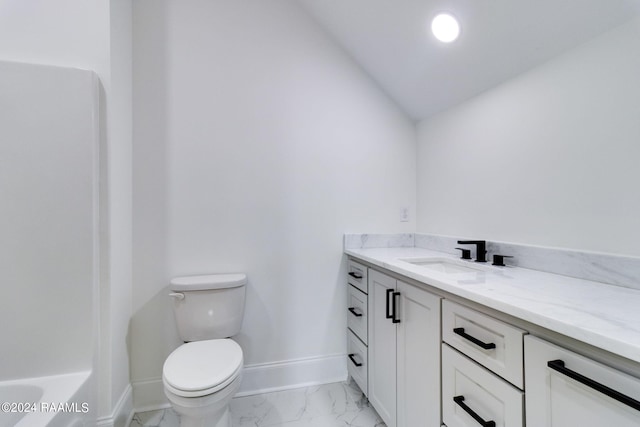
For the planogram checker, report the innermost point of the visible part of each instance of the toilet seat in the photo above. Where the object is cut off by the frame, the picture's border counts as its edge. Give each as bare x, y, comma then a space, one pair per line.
201, 368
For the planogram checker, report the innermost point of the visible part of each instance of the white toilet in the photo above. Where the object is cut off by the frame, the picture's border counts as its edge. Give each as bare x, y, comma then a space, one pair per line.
201, 376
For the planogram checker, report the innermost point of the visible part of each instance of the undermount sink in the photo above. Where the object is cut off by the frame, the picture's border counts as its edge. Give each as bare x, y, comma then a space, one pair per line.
444, 265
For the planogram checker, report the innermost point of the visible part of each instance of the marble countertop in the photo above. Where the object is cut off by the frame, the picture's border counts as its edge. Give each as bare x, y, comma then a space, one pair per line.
602, 315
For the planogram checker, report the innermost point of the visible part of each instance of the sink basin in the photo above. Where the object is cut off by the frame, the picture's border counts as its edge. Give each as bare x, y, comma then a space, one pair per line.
444, 265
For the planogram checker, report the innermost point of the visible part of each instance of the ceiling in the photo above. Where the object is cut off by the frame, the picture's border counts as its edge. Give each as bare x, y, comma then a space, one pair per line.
500, 39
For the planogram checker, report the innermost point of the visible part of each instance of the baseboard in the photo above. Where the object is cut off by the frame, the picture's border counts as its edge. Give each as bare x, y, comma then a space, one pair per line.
149, 395
275, 376
122, 413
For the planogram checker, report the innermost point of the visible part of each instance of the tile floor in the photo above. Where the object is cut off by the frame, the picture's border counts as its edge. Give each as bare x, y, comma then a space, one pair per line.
329, 405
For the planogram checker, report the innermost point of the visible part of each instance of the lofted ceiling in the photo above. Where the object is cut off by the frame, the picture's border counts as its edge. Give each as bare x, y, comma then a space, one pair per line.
500, 39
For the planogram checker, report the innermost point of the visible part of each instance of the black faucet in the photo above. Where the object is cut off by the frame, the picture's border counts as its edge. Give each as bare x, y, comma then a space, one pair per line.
481, 248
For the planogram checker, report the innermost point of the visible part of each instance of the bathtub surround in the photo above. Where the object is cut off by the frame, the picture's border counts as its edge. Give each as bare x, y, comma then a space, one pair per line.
49, 192
599, 267
49, 133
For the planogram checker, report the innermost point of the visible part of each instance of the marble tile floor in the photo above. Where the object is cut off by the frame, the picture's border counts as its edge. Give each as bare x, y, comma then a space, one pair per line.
329, 405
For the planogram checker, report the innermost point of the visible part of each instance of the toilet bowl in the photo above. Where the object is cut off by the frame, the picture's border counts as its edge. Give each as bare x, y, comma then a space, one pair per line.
201, 376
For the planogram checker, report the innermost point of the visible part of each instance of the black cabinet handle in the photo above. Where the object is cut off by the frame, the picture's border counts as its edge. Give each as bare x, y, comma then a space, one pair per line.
395, 306
355, 275
354, 312
476, 341
388, 314
558, 365
460, 402
353, 359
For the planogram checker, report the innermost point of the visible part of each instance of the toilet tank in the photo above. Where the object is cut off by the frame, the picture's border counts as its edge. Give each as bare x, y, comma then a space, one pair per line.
208, 307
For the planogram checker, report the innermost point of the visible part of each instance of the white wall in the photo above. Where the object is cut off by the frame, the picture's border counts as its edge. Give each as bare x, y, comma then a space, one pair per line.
93, 35
549, 158
258, 144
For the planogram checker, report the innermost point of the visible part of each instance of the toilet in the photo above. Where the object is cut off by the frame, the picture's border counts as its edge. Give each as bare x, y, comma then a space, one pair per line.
201, 376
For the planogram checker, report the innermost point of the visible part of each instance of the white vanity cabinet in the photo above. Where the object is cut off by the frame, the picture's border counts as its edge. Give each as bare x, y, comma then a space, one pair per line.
566, 389
404, 352
426, 360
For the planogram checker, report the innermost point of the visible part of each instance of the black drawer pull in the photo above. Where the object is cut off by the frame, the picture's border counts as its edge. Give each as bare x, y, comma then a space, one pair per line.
354, 312
394, 315
388, 314
476, 341
558, 365
460, 402
355, 275
353, 359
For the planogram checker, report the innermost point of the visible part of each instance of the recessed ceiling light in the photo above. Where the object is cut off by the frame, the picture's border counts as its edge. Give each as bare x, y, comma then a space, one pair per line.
445, 27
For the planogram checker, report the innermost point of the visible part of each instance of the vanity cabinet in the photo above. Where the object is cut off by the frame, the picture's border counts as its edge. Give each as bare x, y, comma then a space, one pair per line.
567, 389
404, 352
423, 360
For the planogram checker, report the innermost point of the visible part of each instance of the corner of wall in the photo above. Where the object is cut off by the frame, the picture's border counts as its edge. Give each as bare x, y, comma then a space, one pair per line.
122, 413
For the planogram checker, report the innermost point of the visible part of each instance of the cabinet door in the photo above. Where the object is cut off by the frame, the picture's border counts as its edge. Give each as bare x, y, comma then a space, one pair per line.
418, 353
382, 347
555, 398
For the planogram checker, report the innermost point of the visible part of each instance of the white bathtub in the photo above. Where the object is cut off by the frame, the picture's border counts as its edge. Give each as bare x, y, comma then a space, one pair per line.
53, 401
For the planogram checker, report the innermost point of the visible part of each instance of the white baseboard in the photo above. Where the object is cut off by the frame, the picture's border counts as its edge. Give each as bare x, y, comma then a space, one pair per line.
288, 374
260, 378
122, 413
149, 395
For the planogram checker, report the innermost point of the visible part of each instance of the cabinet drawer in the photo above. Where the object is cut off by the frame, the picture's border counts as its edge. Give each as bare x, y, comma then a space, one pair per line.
494, 344
357, 313
557, 397
357, 361
470, 390
357, 275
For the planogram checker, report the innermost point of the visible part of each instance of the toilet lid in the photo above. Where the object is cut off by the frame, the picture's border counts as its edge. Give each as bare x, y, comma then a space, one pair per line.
199, 368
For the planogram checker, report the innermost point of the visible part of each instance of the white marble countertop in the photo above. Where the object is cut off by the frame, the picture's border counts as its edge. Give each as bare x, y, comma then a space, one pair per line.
605, 316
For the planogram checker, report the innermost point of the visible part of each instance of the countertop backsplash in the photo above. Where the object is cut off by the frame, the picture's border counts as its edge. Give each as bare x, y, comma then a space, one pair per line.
600, 267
